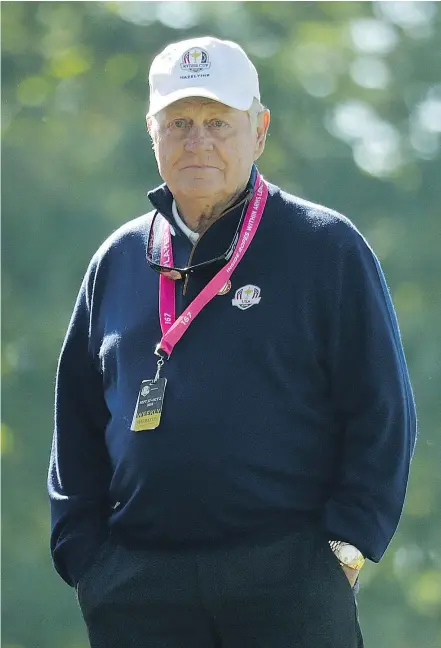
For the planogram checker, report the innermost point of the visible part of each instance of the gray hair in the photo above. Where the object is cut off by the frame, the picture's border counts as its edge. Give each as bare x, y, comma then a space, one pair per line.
256, 109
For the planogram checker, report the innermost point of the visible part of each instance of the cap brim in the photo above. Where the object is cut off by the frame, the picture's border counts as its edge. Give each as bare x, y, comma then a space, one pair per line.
159, 104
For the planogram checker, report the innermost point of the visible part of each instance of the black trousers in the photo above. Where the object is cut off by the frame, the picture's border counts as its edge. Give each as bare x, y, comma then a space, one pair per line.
288, 593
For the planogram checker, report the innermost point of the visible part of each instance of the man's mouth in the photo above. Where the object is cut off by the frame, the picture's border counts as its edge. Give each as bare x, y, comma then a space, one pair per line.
198, 166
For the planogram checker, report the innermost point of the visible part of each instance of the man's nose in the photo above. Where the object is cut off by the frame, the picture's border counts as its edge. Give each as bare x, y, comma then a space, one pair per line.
198, 138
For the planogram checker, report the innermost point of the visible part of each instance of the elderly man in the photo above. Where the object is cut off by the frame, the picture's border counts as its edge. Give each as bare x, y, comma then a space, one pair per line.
234, 419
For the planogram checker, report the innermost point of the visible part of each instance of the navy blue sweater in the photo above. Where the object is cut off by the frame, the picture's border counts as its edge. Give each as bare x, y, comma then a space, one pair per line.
296, 410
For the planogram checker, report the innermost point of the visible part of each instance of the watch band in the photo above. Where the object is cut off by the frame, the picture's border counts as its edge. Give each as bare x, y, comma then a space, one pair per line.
335, 544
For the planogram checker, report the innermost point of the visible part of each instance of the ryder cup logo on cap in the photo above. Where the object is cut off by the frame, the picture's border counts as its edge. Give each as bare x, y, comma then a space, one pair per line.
203, 67
195, 60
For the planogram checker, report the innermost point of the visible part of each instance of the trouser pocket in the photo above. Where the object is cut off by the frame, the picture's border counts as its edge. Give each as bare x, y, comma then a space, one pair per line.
95, 570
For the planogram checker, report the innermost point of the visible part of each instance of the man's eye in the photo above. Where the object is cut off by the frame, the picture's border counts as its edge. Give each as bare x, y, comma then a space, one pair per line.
179, 123
217, 123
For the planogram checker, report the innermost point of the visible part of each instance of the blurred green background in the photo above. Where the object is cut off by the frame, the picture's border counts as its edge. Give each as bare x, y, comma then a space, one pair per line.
355, 94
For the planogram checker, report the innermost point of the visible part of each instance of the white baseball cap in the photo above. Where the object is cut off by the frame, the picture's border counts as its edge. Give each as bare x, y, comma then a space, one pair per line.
203, 67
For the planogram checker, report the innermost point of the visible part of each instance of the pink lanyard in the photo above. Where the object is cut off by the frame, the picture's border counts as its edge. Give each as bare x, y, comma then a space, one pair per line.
173, 329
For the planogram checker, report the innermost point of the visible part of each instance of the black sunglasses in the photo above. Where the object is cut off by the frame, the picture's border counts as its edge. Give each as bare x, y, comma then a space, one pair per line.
185, 272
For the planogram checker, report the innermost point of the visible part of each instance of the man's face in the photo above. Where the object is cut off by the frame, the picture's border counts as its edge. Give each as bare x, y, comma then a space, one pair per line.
204, 148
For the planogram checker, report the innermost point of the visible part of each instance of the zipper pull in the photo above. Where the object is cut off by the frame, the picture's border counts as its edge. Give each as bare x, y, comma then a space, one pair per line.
184, 289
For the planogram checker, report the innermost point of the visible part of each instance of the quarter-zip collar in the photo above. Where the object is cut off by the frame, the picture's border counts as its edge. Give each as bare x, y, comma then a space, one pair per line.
162, 198
211, 244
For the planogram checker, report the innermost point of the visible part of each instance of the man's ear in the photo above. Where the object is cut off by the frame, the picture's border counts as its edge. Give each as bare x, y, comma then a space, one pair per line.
151, 130
263, 122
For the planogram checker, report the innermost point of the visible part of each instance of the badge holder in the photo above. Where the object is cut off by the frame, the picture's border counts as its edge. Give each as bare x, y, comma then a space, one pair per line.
148, 410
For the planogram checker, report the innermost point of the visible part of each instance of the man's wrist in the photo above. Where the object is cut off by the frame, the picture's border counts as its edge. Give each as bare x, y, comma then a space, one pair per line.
347, 554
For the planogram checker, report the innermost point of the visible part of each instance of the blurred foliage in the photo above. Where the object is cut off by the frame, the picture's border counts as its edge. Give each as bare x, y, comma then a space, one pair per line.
355, 94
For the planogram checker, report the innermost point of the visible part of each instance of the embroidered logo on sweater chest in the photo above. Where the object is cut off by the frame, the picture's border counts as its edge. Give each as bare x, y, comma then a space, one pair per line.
246, 297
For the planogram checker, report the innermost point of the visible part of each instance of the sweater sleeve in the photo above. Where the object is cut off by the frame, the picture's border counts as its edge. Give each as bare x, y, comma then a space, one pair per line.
79, 471
373, 403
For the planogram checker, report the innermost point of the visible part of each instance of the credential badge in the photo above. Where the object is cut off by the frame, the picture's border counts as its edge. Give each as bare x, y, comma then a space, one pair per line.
246, 297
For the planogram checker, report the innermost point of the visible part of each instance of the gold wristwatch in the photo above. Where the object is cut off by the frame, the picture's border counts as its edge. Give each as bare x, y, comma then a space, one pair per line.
347, 554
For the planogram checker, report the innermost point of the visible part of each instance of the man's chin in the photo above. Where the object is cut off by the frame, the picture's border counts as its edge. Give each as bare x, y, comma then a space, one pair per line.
200, 188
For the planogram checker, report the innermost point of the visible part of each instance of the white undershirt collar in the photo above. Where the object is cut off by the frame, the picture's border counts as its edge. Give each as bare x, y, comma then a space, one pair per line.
193, 236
